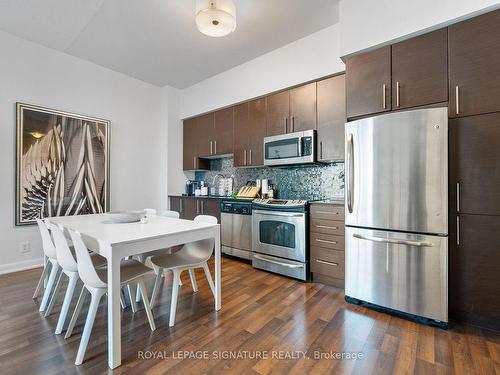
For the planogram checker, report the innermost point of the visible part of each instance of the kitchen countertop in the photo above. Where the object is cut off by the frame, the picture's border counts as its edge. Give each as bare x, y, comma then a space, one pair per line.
212, 197
334, 201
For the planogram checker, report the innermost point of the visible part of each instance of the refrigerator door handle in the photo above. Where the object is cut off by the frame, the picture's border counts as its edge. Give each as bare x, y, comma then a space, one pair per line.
350, 171
393, 241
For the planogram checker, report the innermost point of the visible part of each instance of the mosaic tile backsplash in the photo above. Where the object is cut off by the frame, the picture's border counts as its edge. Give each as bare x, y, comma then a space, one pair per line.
311, 182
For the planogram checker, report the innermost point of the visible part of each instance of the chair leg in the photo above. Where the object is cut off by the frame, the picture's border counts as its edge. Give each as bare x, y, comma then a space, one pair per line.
180, 281
50, 284
48, 311
39, 286
175, 293
132, 300
138, 293
209, 278
147, 305
67, 301
192, 276
156, 287
94, 304
78, 308
123, 302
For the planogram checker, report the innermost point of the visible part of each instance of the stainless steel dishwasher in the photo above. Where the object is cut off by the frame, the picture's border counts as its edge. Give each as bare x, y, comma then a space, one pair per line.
236, 228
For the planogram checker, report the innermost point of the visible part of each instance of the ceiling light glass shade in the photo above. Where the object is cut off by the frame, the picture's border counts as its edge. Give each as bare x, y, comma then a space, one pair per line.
215, 17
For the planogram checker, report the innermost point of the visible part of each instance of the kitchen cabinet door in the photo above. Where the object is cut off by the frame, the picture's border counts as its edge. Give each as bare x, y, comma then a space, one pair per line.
474, 58
278, 111
331, 119
205, 134
223, 132
474, 160
175, 204
190, 144
368, 82
190, 208
256, 131
241, 132
474, 288
303, 108
210, 207
420, 70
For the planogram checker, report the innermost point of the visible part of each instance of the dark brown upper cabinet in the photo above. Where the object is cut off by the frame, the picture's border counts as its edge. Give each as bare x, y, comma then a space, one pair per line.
278, 110
368, 82
303, 108
331, 119
474, 58
191, 159
249, 133
420, 70
205, 134
474, 160
222, 142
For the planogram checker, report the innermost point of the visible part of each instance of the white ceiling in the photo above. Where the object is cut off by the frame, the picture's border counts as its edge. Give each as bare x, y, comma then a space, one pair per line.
157, 40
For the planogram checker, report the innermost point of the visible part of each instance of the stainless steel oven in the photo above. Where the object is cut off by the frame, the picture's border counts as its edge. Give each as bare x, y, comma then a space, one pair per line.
292, 148
279, 237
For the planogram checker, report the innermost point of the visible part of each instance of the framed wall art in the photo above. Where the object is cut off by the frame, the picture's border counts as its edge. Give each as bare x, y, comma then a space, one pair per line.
62, 164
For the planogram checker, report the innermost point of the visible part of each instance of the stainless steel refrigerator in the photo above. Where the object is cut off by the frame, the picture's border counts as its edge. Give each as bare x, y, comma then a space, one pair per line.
396, 189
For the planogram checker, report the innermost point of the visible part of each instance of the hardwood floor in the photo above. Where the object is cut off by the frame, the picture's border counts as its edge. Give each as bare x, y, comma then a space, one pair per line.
262, 314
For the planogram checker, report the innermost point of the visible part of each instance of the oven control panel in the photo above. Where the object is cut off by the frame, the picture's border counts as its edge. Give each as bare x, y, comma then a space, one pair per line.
271, 202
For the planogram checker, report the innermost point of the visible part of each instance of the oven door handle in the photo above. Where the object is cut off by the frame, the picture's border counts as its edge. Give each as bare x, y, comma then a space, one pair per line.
282, 214
279, 263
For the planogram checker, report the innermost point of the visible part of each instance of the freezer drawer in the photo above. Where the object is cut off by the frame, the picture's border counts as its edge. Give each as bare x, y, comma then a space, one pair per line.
401, 271
397, 171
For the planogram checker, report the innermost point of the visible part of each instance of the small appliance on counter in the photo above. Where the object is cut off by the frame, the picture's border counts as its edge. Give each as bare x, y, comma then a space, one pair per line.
190, 187
280, 236
236, 228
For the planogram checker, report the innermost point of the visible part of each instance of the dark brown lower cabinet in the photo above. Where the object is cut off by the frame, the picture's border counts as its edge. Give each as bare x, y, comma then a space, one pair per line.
210, 207
190, 207
474, 270
175, 204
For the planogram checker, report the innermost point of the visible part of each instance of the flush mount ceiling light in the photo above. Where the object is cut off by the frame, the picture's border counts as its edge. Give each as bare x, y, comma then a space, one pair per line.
215, 17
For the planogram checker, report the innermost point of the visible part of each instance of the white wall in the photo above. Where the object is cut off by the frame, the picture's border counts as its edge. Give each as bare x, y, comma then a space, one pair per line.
34, 74
303, 60
367, 23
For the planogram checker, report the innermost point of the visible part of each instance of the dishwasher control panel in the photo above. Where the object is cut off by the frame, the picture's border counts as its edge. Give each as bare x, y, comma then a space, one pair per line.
236, 207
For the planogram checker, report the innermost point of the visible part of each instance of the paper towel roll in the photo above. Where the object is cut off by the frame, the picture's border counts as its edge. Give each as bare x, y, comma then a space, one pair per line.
264, 186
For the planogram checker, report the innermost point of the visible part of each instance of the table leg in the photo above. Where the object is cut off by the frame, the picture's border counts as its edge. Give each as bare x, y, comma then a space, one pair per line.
114, 320
218, 294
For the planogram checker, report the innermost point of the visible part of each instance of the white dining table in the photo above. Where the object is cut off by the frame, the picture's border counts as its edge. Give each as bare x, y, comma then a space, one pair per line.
115, 241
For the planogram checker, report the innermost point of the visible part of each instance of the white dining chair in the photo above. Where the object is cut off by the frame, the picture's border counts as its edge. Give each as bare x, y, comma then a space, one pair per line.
95, 282
49, 251
191, 256
70, 269
144, 256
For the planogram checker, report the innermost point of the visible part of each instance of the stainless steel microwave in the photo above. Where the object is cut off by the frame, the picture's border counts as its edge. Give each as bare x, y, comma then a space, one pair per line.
292, 148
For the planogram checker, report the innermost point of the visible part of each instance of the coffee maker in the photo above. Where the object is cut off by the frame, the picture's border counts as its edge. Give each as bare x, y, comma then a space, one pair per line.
190, 187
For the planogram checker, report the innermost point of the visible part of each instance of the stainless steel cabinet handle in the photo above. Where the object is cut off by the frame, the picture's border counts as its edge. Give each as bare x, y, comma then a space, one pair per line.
180, 205
245, 157
457, 101
326, 241
326, 227
384, 90
327, 213
250, 156
279, 263
350, 171
293, 124
394, 241
397, 94
211, 148
197, 207
194, 162
202, 207
458, 196
325, 262
458, 230
215, 147
285, 121
321, 150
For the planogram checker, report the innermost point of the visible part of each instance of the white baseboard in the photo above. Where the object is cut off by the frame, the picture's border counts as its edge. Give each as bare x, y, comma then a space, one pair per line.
20, 266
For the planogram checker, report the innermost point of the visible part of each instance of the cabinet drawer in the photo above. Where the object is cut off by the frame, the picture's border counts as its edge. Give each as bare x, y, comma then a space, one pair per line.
327, 227
327, 212
327, 241
327, 262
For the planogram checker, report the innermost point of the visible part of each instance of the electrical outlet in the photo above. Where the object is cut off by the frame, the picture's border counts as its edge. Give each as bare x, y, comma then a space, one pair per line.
25, 247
